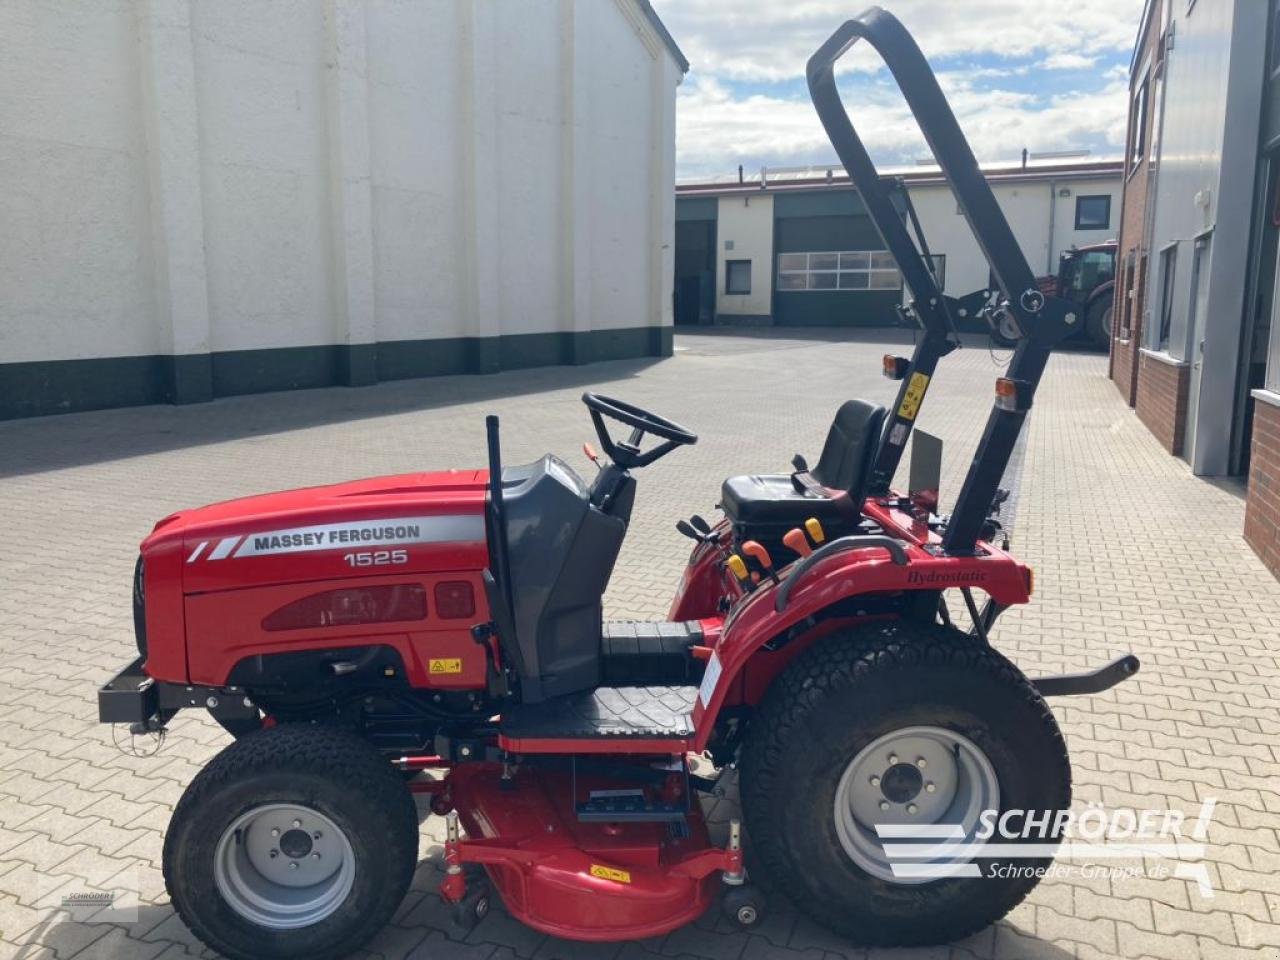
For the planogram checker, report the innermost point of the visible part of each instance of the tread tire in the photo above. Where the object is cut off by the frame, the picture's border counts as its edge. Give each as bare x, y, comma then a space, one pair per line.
1098, 322
329, 769
838, 696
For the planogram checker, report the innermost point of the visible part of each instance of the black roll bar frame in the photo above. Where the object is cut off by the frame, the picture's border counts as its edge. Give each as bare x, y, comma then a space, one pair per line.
1041, 321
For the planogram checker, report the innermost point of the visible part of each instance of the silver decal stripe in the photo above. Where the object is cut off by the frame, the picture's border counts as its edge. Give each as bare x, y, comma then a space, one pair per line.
365, 534
224, 547
195, 554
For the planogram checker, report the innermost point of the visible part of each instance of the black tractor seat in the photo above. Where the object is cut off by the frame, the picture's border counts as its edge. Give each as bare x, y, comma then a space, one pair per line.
763, 507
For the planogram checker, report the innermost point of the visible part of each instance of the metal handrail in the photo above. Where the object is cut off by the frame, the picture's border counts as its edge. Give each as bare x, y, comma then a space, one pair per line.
897, 552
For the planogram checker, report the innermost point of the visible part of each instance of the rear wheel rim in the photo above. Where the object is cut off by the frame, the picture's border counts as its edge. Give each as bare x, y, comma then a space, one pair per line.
283, 866
922, 776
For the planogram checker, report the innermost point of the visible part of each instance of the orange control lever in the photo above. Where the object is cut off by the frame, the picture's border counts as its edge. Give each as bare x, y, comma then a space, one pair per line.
797, 541
760, 555
757, 552
590, 451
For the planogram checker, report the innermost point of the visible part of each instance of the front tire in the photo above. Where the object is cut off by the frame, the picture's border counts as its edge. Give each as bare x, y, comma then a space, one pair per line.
295, 841
853, 734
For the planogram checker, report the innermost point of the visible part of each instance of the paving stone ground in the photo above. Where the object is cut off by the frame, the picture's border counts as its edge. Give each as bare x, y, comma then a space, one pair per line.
1131, 553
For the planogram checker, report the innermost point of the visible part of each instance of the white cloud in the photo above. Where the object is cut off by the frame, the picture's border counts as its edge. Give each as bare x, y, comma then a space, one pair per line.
743, 102
1067, 60
718, 130
768, 41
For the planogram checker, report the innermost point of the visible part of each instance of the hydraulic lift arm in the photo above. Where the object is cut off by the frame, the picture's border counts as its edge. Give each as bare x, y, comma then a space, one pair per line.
1042, 322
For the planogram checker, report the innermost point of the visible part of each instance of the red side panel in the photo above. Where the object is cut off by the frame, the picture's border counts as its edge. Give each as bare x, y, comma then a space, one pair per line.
225, 628
704, 581
166, 623
214, 573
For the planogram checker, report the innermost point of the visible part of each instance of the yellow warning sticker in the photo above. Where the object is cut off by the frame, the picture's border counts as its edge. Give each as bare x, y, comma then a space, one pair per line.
610, 873
450, 665
912, 398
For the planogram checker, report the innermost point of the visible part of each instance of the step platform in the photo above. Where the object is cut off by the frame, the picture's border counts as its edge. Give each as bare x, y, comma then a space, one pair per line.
653, 719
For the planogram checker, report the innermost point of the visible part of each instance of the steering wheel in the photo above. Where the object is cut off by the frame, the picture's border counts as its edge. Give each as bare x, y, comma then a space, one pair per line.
627, 453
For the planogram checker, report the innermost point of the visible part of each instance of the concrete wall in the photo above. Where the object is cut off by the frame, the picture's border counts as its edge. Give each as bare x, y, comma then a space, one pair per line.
1208, 152
1042, 221
746, 222
188, 183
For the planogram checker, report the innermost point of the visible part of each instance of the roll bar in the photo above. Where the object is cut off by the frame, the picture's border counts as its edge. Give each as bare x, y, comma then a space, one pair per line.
1041, 321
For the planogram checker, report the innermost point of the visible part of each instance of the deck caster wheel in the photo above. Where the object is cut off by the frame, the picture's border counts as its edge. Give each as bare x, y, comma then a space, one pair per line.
471, 909
744, 905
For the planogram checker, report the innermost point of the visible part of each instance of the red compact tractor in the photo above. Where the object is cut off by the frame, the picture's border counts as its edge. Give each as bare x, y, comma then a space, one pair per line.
352, 637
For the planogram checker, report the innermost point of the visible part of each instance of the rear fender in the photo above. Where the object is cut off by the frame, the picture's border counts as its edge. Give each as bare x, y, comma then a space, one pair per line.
758, 640
704, 580
1103, 291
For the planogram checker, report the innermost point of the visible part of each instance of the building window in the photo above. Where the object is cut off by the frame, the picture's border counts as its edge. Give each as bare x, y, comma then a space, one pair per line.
737, 276
1093, 213
938, 264
1138, 126
840, 270
1168, 273
1126, 292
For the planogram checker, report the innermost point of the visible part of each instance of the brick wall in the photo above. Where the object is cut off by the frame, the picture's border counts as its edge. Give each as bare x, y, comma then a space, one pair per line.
1127, 330
1162, 400
1127, 314
1262, 506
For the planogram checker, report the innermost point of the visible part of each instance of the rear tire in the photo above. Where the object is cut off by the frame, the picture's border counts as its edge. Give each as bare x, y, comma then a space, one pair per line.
1098, 323
248, 852
850, 693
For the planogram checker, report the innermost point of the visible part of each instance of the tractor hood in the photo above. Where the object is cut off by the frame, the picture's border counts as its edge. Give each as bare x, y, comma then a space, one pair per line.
417, 522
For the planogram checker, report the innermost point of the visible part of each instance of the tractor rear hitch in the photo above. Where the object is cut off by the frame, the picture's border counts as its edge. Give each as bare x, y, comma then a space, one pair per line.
1095, 681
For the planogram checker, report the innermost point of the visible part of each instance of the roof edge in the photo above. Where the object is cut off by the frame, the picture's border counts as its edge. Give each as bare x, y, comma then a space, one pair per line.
1148, 10
1097, 170
664, 34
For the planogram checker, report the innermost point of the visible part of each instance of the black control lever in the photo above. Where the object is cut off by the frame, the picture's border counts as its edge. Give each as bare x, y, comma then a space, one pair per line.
688, 531
800, 463
702, 534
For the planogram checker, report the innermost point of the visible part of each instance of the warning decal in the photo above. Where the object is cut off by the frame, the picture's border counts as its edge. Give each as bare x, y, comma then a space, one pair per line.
610, 873
912, 398
450, 665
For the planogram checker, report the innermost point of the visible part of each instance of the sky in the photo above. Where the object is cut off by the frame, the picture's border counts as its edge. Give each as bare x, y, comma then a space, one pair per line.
1047, 75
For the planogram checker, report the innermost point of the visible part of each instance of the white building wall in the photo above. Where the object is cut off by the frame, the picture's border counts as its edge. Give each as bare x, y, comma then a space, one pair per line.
75, 258
1065, 234
187, 176
415, 62
1030, 208
747, 223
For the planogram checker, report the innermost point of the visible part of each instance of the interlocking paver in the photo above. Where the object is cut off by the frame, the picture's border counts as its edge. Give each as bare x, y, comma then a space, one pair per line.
1131, 553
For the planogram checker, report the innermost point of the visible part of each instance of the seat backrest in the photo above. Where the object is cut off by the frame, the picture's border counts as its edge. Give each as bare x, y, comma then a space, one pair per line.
851, 448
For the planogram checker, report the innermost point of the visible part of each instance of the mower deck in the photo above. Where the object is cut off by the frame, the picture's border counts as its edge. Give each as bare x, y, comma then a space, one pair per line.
576, 878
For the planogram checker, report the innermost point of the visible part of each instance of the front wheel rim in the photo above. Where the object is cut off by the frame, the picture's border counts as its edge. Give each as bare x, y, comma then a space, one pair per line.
283, 866
924, 777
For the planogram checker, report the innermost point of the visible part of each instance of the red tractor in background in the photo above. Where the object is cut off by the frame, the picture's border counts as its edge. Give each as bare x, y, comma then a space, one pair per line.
1087, 275
351, 637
